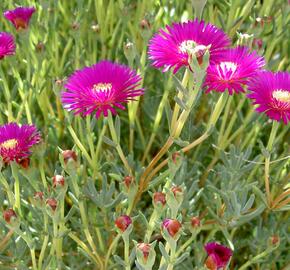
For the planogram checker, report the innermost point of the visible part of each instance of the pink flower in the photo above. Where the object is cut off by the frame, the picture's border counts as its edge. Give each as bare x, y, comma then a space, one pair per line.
16, 141
20, 16
218, 255
169, 48
232, 69
271, 92
101, 88
7, 44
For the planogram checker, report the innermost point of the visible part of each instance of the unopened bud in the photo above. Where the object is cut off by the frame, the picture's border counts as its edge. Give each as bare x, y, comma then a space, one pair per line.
24, 163
159, 199
172, 226
69, 156
123, 222
39, 47
52, 203
145, 249
128, 180
258, 43
145, 24
274, 240
38, 196
9, 215
195, 222
58, 181
95, 28
146, 255
75, 26
129, 51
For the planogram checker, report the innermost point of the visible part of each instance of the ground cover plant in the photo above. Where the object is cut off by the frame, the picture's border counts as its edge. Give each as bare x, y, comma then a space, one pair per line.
144, 134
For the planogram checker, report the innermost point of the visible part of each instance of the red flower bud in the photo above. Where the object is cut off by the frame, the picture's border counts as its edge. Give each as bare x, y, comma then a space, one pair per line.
145, 248
123, 222
176, 190
52, 203
9, 215
128, 180
24, 163
38, 195
58, 181
69, 155
144, 24
159, 198
172, 226
175, 157
195, 222
275, 239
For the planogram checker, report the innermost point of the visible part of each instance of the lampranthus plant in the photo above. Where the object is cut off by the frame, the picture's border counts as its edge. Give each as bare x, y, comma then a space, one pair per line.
170, 48
101, 89
7, 45
20, 16
232, 69
16, 141
218, 256
271, 93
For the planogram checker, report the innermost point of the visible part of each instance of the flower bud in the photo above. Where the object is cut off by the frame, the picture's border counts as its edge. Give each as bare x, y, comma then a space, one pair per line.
195, 222
95, 28
24, 163
129, 51
39, 47
274, 240
258, 43
145, 254
172, 226
159, 199
69, 156
128, 180
52, 203
145, 29
9, 215
218, 256
58, 181
145, 24
123, 222
75, 26
175, 157
38, 196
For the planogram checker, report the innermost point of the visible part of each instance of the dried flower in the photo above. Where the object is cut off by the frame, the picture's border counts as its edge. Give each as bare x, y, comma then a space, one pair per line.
123, 222
9, 215
16, 141
101, 88
218, 256
7, 45
271, 92
232, 69
20, 16
170, 48
172, 226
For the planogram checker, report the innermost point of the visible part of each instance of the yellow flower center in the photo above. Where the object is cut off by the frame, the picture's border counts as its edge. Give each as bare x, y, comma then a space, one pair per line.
100, 87
191, 47
9, 144
281, 95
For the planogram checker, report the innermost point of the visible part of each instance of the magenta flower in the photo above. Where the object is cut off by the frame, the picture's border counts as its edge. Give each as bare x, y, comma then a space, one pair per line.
20, 16
232, 69
271, 92
16, 141
101, 88
7, 44
170, 48
218, 255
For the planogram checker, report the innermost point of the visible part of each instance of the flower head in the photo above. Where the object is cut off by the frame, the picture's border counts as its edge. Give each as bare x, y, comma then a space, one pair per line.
16, 141
20, 16
101, 88
169, 48
218, 255
7, 44
271, 92
232, 69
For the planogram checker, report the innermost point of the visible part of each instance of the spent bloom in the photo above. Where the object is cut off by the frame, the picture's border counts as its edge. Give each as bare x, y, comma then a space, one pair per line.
271, 92
7, 44
101, 88
16, 141
232, 69
20, 16
218, 256
169, 48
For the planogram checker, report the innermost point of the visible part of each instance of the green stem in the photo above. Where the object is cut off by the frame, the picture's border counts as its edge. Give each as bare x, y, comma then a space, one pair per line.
151, 226
113, 244
118, 147
45, 241
6, 186
34, 265
16, 188
186, 244
126, 253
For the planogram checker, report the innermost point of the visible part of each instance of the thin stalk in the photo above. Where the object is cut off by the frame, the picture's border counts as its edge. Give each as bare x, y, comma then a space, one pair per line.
34, 265
111, 247
45, 241
126, 253
16, 188
186, 244
118, 147
8, 191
